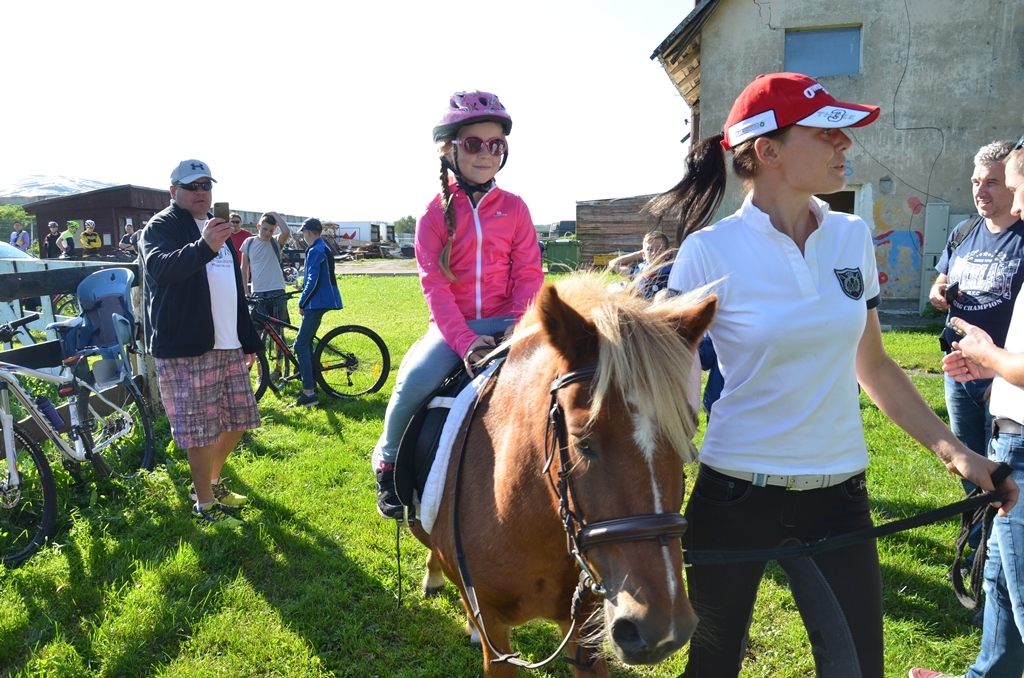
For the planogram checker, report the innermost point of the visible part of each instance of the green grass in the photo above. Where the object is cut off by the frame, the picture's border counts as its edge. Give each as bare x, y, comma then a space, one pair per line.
131, 587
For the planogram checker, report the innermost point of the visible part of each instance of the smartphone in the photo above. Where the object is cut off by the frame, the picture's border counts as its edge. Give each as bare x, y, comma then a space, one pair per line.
222, 211
952, 292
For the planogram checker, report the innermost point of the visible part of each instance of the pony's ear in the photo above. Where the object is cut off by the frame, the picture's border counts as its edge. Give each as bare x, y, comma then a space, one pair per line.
565, 329
692, 321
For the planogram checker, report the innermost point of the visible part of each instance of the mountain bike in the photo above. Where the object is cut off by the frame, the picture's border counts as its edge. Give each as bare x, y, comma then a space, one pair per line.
348, 361
108, 425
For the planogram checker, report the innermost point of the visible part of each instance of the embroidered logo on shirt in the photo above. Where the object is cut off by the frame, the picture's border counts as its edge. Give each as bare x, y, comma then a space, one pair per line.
499, 213
852, 282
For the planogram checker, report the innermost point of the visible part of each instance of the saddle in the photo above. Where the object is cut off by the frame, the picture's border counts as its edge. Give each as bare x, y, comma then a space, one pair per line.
418, 449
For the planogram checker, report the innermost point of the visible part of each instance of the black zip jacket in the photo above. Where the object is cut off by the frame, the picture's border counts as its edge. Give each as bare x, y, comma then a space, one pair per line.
179, 319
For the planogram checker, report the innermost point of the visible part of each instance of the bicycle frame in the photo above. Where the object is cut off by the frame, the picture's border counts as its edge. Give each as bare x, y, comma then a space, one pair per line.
81, 450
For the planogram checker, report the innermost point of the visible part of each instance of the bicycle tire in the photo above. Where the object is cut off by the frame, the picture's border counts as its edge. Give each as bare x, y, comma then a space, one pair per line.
68, 306
124, 439
351, 360
259, 373
27, 515
280, 361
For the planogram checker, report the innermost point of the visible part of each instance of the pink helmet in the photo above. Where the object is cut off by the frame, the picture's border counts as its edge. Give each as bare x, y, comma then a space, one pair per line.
466, 108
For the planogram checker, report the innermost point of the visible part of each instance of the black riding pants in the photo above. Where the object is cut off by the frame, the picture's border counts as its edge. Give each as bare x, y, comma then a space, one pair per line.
838, 593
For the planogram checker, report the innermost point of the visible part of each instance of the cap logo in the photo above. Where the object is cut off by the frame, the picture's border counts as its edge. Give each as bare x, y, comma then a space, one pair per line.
836, 115
810, 91
751, 127
198, 166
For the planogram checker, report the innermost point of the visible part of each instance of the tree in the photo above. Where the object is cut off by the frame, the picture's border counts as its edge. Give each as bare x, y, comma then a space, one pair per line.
405, 225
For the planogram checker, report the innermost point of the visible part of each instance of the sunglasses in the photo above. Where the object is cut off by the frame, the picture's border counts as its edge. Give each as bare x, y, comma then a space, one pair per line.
236, 223
495, 146
1020, 143
196, 185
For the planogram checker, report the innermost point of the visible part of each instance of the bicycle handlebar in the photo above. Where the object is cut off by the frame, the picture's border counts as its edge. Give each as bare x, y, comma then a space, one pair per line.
8, 330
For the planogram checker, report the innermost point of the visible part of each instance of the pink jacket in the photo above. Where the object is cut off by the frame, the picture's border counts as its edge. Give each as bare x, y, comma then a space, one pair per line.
495, 258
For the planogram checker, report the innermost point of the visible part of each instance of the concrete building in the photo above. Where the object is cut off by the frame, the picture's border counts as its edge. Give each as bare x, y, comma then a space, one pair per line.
948, 75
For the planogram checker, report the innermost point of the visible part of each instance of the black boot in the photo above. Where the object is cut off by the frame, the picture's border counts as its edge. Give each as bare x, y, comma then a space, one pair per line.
388, 505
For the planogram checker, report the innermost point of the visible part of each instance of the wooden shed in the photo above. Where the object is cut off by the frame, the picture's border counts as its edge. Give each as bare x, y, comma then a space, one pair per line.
614, 226
111, 208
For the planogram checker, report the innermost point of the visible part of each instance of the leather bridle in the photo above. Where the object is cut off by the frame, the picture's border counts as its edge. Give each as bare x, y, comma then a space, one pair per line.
580, 535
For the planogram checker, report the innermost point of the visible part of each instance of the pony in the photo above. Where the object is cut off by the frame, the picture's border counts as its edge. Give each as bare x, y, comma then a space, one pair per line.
567, 480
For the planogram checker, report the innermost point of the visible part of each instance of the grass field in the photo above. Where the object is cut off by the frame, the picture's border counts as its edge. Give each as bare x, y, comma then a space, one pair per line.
131, 587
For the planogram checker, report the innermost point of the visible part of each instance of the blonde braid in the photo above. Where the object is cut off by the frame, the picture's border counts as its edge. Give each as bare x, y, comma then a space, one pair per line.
449, 218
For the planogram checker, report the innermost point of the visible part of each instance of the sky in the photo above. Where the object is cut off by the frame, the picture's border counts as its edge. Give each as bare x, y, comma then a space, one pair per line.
326, 108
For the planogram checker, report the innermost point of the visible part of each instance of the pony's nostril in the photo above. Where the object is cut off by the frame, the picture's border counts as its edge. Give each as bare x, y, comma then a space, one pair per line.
627, 636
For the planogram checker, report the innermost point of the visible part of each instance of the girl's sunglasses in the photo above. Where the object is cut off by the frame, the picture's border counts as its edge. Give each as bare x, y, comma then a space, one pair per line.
473, 145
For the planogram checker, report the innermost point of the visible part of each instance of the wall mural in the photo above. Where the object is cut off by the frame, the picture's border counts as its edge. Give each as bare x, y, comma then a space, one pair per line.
898, 250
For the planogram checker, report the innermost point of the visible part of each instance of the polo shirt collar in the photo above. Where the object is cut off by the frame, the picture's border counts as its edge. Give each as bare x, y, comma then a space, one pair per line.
759, 220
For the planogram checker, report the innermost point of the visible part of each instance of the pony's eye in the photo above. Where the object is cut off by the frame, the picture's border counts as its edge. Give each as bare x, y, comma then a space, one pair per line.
583, 447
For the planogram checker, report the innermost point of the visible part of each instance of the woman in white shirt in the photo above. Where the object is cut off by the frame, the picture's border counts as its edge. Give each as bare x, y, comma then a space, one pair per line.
784, 456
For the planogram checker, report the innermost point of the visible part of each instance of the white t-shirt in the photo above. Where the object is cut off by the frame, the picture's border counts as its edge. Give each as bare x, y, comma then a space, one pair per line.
220, 272
786, 334
1007, 400
264, 266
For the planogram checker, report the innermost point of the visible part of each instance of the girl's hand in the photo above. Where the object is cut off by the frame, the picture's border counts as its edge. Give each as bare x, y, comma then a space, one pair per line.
478, 350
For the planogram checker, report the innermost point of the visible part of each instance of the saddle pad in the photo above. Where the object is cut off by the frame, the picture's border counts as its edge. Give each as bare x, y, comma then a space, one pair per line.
434, 488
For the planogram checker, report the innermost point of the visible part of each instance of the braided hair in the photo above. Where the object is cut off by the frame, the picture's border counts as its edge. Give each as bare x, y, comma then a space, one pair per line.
449, 220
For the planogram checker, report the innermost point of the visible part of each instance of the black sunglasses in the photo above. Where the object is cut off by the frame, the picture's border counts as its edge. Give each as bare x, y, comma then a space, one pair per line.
1020, 143
196, 185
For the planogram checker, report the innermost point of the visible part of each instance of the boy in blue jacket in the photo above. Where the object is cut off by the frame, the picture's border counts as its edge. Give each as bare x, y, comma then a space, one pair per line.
319, 295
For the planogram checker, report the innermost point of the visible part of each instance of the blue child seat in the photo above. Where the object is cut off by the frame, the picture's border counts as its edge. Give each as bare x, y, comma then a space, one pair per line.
107, 320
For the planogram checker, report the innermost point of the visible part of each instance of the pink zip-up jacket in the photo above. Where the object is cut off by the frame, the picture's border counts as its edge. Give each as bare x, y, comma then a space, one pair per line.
495, 258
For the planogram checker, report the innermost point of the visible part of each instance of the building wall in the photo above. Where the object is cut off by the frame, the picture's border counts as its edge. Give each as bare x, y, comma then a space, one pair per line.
945, 73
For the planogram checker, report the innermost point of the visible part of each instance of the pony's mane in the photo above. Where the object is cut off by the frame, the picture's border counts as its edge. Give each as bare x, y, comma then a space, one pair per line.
641, 353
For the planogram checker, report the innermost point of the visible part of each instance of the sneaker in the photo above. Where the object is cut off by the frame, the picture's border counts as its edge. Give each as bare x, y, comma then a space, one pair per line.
222, 495
388, 505
927, 673
215, 516
307, 400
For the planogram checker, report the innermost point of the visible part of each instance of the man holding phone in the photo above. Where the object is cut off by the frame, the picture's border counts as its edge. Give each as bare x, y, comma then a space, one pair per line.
980, 275
199, 332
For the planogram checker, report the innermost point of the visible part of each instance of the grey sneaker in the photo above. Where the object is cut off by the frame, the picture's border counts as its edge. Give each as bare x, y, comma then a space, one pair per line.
306, 400
223, 496
214, 516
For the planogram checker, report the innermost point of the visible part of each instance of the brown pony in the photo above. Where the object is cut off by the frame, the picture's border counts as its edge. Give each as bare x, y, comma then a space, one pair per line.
605, 475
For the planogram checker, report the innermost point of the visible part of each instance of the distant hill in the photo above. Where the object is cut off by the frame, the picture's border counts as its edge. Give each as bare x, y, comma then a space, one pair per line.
37, 187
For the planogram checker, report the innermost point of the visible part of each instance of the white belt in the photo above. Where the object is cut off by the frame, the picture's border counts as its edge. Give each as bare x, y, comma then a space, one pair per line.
798, 482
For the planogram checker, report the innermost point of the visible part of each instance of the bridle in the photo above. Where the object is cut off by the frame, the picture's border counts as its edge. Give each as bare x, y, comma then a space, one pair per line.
580, 535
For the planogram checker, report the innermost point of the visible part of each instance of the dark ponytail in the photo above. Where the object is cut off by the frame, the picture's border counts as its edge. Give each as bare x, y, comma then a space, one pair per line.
696, 198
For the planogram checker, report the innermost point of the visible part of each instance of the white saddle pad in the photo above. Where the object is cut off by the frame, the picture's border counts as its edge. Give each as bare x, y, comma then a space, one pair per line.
434, 488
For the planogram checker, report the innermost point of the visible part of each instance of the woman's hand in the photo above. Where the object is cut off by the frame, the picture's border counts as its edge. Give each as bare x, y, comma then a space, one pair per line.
478, 350
978, 469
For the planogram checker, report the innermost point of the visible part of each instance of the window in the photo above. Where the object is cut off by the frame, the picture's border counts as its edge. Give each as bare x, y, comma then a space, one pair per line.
827, 51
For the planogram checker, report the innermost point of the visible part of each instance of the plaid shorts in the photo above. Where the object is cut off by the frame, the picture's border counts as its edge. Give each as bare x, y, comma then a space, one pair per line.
206, 395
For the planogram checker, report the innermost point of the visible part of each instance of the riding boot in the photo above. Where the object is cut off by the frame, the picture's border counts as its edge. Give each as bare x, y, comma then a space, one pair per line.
388, 505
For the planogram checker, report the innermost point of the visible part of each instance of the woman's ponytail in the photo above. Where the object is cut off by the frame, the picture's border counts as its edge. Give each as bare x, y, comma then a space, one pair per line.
696, 198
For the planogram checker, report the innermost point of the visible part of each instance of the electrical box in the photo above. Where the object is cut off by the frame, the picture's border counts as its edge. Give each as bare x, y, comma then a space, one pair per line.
936, 231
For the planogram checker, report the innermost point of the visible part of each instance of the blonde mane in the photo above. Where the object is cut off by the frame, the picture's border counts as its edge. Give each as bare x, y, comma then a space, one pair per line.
641, 354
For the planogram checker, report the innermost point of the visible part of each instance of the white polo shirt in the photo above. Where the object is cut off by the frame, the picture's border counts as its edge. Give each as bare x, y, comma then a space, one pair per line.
786, 334
1007, 401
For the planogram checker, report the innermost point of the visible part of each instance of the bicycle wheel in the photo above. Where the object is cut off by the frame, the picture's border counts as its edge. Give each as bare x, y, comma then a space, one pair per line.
120, 428
283, 371
259, 374
68, 306
351, 360
28, 510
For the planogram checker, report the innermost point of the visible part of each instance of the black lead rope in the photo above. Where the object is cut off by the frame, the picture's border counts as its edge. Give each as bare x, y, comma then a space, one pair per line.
974, 508
981, 515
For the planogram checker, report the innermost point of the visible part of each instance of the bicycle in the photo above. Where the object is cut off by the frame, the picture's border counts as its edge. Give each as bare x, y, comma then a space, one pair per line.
348, 361
109, 426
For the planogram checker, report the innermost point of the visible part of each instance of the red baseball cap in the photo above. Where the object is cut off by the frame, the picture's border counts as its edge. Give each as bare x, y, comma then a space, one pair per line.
777, 100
